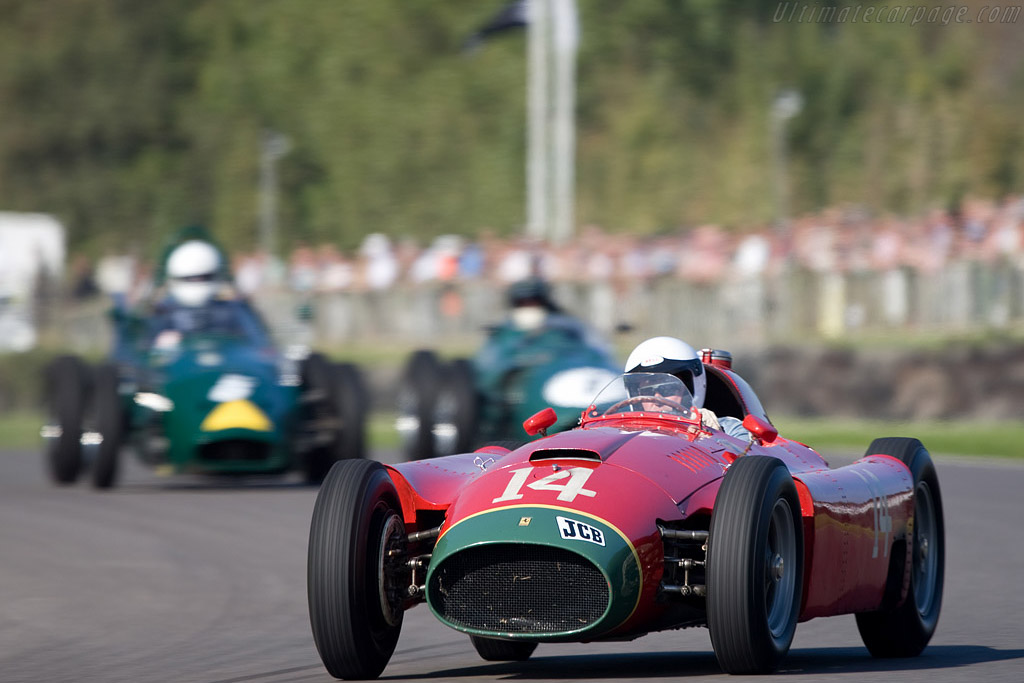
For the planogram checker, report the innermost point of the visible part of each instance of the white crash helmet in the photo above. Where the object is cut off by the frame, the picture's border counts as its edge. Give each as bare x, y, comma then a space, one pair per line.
192, 270
674, 356
531, 303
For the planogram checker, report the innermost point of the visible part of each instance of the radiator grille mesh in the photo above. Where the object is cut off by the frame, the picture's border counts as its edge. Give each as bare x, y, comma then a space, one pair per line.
519, 588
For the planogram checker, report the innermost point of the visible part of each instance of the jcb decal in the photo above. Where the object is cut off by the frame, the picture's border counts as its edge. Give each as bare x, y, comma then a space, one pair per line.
575, 530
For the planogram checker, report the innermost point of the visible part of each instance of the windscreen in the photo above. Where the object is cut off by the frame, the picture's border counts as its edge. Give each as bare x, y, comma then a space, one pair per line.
643, 392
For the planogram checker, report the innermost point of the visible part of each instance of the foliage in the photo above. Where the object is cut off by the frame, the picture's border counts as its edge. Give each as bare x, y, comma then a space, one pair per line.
130, 119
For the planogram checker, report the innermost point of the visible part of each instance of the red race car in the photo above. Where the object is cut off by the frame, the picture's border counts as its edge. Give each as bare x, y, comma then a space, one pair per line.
641, 519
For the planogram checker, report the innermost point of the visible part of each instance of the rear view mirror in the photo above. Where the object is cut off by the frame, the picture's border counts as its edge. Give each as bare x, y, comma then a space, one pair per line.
760, 428
538, 423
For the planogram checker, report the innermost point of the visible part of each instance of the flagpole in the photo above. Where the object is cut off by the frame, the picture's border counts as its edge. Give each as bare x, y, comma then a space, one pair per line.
538, 144
563, 123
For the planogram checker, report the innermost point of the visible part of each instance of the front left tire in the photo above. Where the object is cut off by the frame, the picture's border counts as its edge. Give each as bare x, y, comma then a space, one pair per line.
356, 572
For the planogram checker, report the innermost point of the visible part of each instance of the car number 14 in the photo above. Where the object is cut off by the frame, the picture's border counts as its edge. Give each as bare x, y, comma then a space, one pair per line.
567, 490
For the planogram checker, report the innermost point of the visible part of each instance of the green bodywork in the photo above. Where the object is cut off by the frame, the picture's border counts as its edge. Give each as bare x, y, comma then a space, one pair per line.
184, 377
616, 559
513, 368
188, 377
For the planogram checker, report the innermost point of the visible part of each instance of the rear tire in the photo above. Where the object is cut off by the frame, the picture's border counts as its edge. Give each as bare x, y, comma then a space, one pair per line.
110, 423
494, 650
906, 630
356, 573
754, 566
67, 383
417, 395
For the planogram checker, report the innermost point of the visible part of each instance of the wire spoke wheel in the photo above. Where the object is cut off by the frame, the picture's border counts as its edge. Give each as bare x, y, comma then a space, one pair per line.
925, 560
779, 575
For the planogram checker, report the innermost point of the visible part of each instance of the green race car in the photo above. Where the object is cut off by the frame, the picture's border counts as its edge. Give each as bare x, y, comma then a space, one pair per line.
524, 366
201, 389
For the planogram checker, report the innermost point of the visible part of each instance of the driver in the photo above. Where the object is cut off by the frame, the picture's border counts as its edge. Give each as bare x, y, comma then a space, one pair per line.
676, 357
200, 299
530, 304
654, 406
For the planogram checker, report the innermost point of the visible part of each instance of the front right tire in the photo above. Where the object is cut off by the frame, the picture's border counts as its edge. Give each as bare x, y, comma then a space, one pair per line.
754, 566
455, 412
339, 399
356, 573
417, 399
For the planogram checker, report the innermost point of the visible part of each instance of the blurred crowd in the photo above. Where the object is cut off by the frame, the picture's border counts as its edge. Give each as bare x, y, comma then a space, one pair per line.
836, 240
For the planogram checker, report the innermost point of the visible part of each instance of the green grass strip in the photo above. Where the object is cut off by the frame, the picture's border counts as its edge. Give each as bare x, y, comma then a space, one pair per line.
993, 439
19, 430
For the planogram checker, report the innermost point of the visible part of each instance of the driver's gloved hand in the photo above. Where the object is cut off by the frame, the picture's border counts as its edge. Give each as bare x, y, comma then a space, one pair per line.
709, 419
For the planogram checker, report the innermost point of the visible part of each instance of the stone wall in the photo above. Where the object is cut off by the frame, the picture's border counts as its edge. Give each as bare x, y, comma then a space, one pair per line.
956, 382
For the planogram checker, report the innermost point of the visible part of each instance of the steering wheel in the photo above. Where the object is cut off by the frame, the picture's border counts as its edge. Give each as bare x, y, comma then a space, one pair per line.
633, 400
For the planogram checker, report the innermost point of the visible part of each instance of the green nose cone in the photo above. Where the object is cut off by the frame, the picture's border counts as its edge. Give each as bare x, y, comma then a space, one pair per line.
533, 573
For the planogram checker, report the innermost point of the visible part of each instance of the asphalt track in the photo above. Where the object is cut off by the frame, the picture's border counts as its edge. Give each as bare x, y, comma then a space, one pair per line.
202, 580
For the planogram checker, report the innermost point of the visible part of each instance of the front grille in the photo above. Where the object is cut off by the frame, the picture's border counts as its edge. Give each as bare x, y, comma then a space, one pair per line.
518, 588
232, 450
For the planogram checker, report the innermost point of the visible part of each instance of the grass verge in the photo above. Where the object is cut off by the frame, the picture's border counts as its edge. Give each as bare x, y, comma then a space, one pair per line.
998, 439
20, 430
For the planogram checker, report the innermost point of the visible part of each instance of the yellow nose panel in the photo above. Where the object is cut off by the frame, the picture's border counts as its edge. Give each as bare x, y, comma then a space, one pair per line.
236, 415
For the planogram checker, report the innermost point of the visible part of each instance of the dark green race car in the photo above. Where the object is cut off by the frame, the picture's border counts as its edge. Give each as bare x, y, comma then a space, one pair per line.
204, 389
454, 407
211, 402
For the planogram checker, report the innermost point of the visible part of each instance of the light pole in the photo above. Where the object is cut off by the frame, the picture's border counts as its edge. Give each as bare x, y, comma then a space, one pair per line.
274, 146
787, 104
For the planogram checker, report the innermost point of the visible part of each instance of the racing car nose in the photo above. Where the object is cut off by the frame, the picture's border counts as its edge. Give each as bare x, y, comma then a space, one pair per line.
533, 573
240, 414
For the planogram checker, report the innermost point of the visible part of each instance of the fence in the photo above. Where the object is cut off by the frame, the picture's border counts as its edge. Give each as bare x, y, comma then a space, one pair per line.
745, 312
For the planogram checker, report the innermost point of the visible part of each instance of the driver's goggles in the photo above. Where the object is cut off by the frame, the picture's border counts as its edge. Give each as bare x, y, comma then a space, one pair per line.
667, 392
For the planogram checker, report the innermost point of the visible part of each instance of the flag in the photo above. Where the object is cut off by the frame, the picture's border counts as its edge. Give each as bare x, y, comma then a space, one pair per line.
513, 15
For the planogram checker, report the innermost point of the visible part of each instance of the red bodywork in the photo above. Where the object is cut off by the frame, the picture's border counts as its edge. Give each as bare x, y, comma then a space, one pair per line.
651, 469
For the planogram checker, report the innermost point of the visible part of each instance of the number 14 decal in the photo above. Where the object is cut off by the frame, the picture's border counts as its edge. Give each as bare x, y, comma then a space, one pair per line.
567, 491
